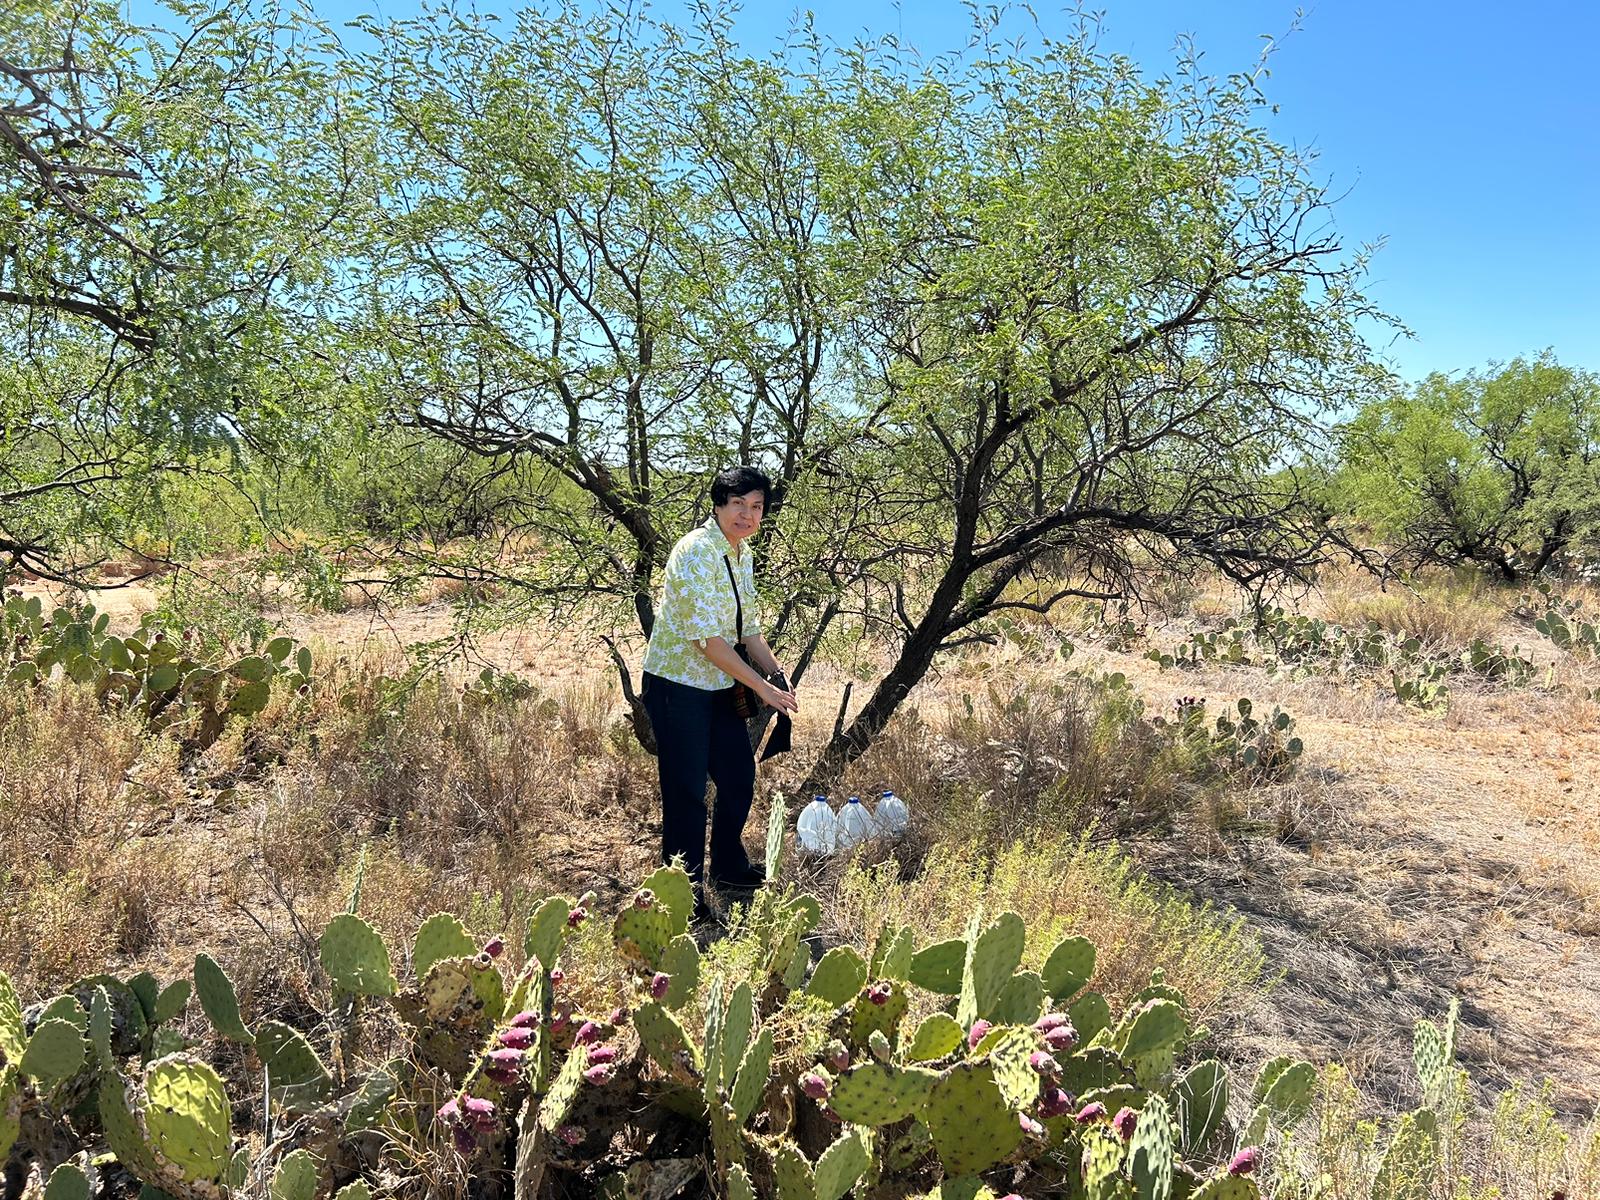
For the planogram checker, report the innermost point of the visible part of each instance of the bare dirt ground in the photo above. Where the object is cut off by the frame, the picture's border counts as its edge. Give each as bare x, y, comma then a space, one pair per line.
1415, 858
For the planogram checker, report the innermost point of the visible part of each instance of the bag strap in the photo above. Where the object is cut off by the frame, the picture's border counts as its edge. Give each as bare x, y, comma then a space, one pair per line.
738, 606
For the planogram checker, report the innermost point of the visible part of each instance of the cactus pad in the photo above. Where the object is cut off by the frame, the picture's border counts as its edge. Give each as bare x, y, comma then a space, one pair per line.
218, 999
55, 1052
681, 961
792, 1173
121, 1128
1102, 1164
675, 893
991, 958
972, 1127
295, 1074
558, 1101
354, 1191
874, 1094
664, 1040
187, 1117
840, 1165
1090, 1014
1411, 1161
964, 1187
1155, 1026
67, 1008
13, 1037
838, 977
867, 1018
939, 1034
751, 1081
172, 1001
737, 1022
897, 956
1091, 1070
295, 1178
1230, 1187
937, 968
1202, 1096
547, 931
739, 1185
10, 1108
1152, 1151
355, 957
100, 1027
1069, 967
641, 934
68, 1182
1287, 1097
1021, 1000
441, 936
1017, 1080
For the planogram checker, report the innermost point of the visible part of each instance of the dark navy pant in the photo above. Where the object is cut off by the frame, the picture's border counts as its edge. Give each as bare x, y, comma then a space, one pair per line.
699, 735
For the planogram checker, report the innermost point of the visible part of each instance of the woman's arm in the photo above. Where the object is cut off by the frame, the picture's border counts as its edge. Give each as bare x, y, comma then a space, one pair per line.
727, 660
761, 654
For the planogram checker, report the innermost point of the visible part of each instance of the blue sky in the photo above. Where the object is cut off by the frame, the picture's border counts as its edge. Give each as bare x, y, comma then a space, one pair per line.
1463, 134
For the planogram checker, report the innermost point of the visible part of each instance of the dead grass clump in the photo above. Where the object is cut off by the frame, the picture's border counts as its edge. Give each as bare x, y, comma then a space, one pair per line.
1447, 612
1061, 886
1007, 760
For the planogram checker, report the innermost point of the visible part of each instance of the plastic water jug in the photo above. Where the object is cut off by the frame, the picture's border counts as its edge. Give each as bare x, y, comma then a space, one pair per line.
855, 824
817, 827
892, 815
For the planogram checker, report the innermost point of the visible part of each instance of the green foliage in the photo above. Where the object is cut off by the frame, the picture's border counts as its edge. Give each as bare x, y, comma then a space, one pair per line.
1497, 468
167, 679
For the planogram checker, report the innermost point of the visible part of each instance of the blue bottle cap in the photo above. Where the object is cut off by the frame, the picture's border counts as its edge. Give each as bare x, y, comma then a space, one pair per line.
819, 799
855, 799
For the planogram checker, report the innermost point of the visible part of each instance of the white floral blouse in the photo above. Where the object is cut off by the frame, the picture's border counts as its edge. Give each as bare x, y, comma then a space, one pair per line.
696, 604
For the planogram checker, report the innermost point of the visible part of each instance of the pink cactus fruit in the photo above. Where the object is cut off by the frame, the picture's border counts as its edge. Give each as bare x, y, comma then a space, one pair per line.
1090, 1112
600, 1074
505, 1077
518, 1037
1054, 1103
619, 1016
525, 1020
660, 984
464, 1141
1249, 1160
814, 1085
495, 947
644, 898
1061, 1039
587, 1032
1043, 1063
602, 1054
1124, 1122
879, 993
1029, 1125
577, 917
506, 1056
450, 1111
980, 1027
570, 1134
557, 977
837, 1056
481, 961
480, 1112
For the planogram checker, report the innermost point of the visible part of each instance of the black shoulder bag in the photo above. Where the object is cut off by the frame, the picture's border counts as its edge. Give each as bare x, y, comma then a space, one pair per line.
750, 707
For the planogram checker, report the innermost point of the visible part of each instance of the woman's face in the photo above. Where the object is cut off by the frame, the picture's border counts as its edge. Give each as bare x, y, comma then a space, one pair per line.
741, 516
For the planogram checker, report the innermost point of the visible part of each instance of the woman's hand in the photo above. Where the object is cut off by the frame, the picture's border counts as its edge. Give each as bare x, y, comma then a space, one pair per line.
776, 698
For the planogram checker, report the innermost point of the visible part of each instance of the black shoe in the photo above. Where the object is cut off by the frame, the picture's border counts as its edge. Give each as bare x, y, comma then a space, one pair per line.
745, 879
703, 913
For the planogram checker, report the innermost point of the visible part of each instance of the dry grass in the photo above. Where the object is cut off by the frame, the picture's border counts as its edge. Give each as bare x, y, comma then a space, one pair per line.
1443, 611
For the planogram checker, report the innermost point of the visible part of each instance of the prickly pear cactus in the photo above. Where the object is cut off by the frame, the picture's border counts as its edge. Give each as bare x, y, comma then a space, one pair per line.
441, 936
839, 976
1152, 1151
875, 1094
172, 1129
938, 967
355, 958
973, 1128
218, 999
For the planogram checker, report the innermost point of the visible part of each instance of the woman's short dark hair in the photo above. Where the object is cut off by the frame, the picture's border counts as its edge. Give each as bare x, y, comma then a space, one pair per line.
740, 481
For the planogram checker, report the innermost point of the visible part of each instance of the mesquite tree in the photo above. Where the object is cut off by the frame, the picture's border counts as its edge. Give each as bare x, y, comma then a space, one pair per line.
170, 200
1500, 468
605, 264
1110, 313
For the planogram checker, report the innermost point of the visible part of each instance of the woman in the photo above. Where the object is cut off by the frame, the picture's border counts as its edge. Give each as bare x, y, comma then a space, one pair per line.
689, 671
